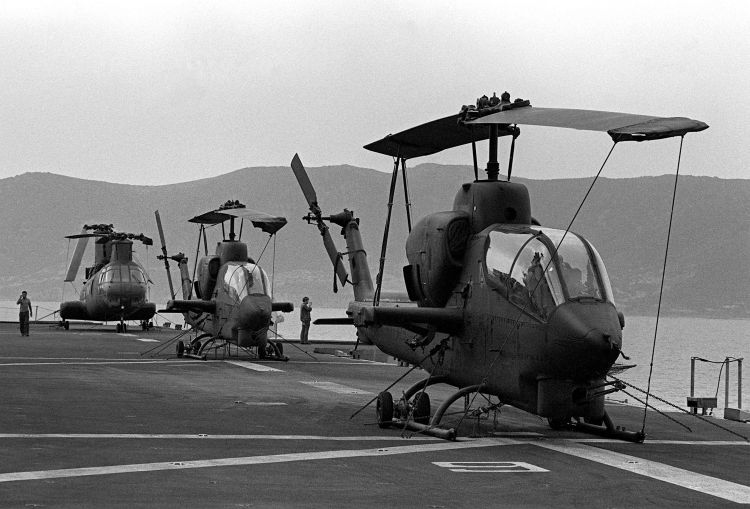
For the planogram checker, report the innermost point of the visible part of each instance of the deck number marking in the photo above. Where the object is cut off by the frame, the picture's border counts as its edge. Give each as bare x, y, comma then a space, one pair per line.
489, 466
253, 366
337, 388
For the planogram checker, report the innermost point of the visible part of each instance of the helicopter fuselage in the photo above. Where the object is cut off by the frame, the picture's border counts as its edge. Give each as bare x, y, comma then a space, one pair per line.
524, 311
116, 291
549, 363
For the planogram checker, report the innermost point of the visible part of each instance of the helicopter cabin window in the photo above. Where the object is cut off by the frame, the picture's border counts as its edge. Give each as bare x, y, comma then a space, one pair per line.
243, 279
580, 266
137, 276
518, 264
108, 275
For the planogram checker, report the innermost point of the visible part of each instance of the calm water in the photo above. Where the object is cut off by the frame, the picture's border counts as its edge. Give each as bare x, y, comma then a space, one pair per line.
678, 340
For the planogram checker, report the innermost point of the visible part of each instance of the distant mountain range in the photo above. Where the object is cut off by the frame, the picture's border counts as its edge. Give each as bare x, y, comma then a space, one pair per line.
708, 272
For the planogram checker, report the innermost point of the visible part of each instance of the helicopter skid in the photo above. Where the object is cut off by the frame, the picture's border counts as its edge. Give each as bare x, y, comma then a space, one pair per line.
426, 429
609, 430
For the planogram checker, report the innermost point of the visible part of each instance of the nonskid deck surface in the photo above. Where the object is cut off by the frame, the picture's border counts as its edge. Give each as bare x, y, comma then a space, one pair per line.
88, 420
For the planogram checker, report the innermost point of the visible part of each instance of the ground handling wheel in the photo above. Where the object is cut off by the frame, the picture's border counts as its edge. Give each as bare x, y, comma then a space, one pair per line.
384, 409
180, 348
421, 408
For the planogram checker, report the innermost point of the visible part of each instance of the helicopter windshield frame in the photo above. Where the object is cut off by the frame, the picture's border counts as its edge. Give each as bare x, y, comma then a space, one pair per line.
520, 264
243, 279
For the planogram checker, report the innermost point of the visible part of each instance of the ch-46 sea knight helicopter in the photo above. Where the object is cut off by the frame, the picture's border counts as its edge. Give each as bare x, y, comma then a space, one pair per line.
115, 286
505, 307
232, 302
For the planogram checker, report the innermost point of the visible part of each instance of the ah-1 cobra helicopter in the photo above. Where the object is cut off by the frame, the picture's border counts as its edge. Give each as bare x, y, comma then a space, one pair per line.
232, 302
504, 306
115, 286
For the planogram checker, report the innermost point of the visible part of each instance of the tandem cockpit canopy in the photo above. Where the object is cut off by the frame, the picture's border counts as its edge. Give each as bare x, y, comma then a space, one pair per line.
243, 279
520, 264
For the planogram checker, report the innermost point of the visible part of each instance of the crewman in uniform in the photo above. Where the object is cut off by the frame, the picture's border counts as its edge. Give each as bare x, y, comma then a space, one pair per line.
304, 316
24, 312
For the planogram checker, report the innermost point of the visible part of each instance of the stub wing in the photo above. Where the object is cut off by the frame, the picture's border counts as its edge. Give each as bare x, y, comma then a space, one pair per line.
193, 305
448, 320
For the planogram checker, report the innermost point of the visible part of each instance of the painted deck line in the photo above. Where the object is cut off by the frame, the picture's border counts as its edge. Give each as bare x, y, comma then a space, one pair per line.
738, 493
148, 340
246, 461
170, 436
661, 442
100, 363
337, 388
253, 366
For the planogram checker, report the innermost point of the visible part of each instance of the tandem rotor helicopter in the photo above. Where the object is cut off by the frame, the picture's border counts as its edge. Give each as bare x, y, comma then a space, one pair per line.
232, 302
498, 305
115, 285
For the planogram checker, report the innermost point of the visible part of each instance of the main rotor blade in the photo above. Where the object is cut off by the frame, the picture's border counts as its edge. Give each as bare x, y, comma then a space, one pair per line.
75, 262
164, 252
333, 254
304, 181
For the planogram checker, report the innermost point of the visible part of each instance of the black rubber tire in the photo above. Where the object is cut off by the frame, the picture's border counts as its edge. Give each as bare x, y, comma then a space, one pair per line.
384, 409
118, 328
262, 352
421, 408
180, 349
280, 348
66, 325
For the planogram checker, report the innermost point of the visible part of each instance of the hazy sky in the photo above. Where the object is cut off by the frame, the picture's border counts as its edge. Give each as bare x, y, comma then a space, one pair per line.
159, 92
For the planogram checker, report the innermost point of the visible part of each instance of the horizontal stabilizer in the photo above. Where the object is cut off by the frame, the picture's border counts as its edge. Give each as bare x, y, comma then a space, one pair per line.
184, 306
344, 320
448, 320
284, 307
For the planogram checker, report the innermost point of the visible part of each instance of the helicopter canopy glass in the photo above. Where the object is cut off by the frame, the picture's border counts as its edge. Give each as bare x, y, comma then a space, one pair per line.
520, 265
243, 279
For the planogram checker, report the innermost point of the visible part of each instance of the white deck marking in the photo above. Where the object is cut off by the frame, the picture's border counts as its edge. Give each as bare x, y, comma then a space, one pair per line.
253, 366
484, 467
248, 460
99, 363
148, 340
202, 436
337, 388
714, 486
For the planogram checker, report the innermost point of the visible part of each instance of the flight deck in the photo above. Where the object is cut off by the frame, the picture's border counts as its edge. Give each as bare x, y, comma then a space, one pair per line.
92, 418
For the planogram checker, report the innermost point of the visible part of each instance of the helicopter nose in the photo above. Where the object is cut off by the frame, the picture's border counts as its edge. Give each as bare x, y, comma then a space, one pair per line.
586, 338
254, 312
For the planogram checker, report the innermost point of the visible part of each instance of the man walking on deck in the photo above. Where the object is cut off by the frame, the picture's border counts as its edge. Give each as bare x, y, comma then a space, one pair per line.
304, 316
24, 312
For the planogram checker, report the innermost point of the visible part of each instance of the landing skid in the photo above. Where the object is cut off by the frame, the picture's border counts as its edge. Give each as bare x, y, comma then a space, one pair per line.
412, 411
201, 346
609, 430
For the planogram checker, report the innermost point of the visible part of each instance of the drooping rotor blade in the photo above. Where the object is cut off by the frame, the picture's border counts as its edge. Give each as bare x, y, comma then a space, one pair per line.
304, 181
333, 254
84, 235
75, 262
620, 126
164, 253
312, 200
265, 222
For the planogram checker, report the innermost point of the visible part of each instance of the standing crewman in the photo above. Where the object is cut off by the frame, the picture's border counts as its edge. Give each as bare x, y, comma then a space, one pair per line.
24, 312
304, 316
